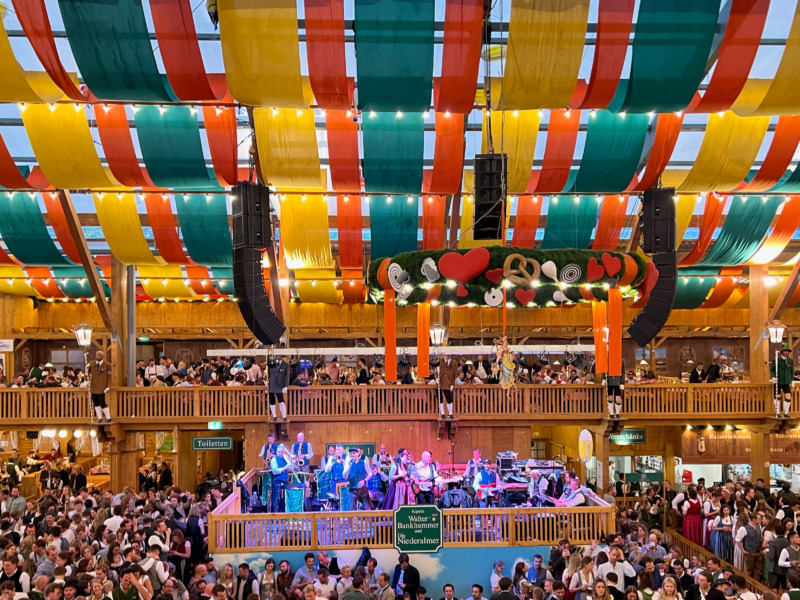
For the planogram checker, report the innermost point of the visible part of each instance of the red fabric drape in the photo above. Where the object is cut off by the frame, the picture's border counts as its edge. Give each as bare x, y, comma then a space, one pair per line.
58, 221
220, 122
433, 209
461, 52
43, 282
351, 247
529, 208
115, 135
327, 69
343, 150
724, 288
614, 21
736, 55
609, 225
562, 133
10, 176
780, 153
668, 128
711, 216
448, 155
32, 15
5, 259
180, 51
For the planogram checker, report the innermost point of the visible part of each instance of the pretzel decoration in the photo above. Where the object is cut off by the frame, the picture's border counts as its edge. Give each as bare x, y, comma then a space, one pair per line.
520, 275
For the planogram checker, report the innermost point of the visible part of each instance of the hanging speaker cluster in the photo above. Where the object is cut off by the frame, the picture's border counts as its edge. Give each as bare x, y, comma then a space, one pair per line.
658, 225
251, 236
491, 175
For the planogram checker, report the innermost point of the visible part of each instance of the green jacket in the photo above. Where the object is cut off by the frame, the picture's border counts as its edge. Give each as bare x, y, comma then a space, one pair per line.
785, 370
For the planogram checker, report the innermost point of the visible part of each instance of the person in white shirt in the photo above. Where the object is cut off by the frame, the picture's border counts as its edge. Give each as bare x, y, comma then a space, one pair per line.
325, 584
115, 522
496, 576
616, 564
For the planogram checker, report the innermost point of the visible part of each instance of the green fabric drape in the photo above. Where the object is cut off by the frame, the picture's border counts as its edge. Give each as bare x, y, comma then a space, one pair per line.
225, 286
671, 47
691, 292
570, 221
25, 232
111, 45
611, 153
394, 54
789, 183
205, 230
393, 153
72, 287
392, 225
745, 227
171, 148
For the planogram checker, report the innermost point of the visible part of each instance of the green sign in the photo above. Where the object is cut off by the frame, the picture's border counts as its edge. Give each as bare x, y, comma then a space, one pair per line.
644, 478
212, 443
215, 424
367, 448
417, 528
629, 436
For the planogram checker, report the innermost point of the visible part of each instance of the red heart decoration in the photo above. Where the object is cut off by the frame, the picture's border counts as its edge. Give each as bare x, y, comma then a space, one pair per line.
650, 279
462, 292
495, 276
525, 297
594, 270
464, 267
612, 264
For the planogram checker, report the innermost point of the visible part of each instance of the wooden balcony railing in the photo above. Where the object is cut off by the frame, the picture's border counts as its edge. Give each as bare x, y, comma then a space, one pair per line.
354, 530
46, 406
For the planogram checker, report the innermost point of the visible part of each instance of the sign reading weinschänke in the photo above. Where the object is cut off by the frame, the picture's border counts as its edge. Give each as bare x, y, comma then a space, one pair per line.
417, 528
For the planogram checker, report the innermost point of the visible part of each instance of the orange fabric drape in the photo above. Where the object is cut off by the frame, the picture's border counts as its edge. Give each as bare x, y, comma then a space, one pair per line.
115, 135
529, 209
780, 153
390, 334
433, 209
724, 288
423, 338
614, 331
562, 134
59, 222
609, 225
448, 154
220, 122
599, 328
343, 150
668, 128
711, 216
785, 226
43, 282
351, 247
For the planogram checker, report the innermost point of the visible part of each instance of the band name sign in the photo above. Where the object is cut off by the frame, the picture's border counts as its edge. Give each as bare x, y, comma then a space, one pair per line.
212, 443
629, 436
417, 529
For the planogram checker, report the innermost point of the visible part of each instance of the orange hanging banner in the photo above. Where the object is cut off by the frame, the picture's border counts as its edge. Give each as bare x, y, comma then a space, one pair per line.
614, 332
390, 334
599, 328
423, 339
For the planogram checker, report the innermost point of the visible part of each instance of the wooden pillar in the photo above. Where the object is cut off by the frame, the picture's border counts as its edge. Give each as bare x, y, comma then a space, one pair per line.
185, 460
255, 436
125, 454
759, 314
669, 463
119, 317
602, 454
759, 454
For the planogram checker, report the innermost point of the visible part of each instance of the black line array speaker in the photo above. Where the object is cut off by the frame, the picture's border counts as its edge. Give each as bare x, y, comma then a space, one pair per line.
491, 175
658, 220
646, 325
248, 283
251, 215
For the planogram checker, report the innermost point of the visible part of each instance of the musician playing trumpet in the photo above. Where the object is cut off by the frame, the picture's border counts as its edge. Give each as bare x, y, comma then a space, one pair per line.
301, 450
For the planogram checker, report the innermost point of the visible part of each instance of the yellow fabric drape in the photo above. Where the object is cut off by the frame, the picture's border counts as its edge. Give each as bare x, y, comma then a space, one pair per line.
164, 282
313, 287
777, 96
305, 235
63, 145
261, 52
287, 148
466, 239
513, 133
19, 85
122, 229
545, 47
729, 148
684, 210
12, 281
744, 302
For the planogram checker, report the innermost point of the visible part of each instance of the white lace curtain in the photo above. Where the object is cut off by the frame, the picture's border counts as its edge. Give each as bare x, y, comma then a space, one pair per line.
161, 437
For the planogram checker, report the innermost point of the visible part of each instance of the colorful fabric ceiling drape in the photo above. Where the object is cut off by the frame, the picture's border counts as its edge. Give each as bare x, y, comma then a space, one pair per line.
545, 47
712, 213
13, 281
614, 21
14, 178
393, 153
433, 217
611, 153
63, 145
570, 221
393, 223
781, 234
180, 51
448, 155
466, 239
287, 148
58, 221
115, 135
394, 54
325, 46
163, 282
171, 147
260, 46
744, 229
562, 134
351, 247
670, 50
684, 210
19, 85
667, 130
514, 134
691, 292
25, 232
122, 229
343, 157
205, 230
780, 153
111, 44
220, 123
529, 209
613, 211
461, 51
